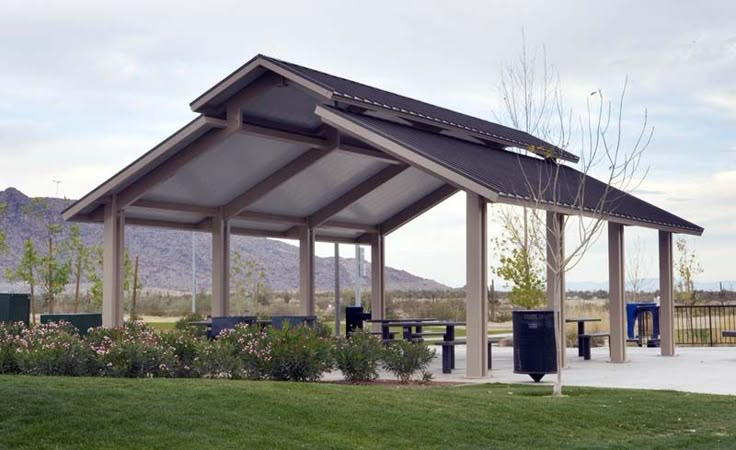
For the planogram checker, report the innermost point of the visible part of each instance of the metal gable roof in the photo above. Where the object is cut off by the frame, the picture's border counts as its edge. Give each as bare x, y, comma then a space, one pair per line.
517, 177
341, 89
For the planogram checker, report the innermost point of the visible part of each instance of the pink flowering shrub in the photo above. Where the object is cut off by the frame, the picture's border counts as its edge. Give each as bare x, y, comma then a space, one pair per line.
185, 346
241, 353
9, 337
135, 351
52, 349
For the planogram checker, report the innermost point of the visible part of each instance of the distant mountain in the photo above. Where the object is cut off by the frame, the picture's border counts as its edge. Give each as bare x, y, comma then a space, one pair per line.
166, 255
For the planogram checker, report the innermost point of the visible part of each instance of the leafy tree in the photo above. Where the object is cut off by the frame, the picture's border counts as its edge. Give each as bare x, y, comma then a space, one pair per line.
93, 270
53, 274
79, 255
521, 264
688, 268
250, 280
27, 272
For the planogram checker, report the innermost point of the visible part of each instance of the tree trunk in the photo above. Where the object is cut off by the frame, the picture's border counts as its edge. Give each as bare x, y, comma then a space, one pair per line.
134, 298
50, 281
76, 288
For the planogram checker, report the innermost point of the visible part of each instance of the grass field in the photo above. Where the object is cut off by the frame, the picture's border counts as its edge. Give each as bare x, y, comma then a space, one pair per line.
63, 412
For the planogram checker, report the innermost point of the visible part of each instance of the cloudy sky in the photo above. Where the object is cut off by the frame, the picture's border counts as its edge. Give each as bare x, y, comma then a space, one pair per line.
88, 86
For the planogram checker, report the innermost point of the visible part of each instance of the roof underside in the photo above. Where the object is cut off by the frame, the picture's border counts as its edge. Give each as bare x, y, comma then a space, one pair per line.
280, 169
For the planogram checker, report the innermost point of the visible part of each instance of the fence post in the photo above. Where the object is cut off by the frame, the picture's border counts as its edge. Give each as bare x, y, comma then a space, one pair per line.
710, 325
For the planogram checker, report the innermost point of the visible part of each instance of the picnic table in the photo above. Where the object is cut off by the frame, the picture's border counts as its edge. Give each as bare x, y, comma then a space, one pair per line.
728, 333
413, 329
581, 330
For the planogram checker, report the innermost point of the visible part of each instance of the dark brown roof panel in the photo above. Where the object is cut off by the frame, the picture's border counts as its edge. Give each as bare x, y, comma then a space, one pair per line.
374, 97
515, 176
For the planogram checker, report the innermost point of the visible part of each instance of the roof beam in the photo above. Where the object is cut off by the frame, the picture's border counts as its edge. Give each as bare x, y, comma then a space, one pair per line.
354, 194
275, 133
271, 182
417, 208
177, 207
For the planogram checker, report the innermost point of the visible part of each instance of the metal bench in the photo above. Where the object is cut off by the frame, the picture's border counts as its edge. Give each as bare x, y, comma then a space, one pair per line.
586, 340
448, 353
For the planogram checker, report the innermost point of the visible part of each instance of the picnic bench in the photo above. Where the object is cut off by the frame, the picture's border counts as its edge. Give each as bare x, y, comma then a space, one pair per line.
585, 341
728, 333
448, 350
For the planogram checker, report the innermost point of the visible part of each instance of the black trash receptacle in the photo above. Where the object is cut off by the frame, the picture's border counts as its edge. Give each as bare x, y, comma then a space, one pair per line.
354, 318
535, 352
15, 308
82, 321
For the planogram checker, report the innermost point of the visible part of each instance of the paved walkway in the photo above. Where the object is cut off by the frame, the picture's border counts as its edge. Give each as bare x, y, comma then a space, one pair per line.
694, 369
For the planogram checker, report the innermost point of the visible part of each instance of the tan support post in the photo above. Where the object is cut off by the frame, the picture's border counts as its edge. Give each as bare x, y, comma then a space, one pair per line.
112, 265
666, 297
378, 286
306, 270
476, 300
555, 272
220, 266
617, 304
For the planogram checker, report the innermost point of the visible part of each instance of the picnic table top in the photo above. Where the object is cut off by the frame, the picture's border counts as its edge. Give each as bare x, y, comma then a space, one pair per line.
728, 333
582, 319
414, 323
208, 322
421, 319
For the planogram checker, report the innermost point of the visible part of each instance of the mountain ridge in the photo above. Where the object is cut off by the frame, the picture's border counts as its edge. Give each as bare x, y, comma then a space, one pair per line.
166, 255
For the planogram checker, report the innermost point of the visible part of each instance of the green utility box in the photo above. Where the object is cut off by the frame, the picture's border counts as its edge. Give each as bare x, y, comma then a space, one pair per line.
15, 308
82, 321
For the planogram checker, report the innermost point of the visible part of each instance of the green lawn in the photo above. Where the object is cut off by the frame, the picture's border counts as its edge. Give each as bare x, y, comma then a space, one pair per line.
62, 412
162, 326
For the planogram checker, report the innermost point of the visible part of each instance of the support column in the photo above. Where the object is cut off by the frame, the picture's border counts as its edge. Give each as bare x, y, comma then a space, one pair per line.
112, 265
378, 286
476, 289
306, 271
220, 266
666, 297
555, 272
617, 304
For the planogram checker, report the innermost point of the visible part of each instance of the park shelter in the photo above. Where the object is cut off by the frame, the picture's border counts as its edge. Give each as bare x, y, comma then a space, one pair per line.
280, 150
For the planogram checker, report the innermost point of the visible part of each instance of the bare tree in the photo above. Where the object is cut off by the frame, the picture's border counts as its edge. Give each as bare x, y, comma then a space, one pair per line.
533, 98
637, 269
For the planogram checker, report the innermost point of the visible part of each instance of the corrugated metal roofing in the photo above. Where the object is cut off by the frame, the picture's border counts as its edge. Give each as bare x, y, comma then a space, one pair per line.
515, 176
372, 96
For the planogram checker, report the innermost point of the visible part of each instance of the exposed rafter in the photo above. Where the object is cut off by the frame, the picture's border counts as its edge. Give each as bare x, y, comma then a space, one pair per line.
280, 134
417, 208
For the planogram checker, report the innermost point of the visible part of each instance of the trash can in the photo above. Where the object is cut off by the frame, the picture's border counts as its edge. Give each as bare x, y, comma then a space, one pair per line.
82, 321
354, 318
15, 308
535, 351
636, 312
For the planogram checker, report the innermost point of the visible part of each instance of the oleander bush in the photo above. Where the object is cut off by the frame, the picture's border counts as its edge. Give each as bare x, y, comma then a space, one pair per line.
241, 353
135, 350
53, 349
358, 357
299, 353
404, 359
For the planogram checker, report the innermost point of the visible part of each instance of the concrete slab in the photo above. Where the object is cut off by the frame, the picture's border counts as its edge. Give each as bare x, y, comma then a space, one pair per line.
694, 369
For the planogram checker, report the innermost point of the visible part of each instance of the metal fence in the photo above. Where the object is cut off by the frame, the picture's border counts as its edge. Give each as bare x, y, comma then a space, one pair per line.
702, 325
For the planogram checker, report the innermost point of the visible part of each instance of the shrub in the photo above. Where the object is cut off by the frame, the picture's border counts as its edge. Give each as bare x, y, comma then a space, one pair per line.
185, 346
404, 359
358, 357
134, 351
184, 325
9, 334
299, 354
244, 352
53, 349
